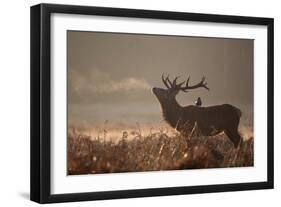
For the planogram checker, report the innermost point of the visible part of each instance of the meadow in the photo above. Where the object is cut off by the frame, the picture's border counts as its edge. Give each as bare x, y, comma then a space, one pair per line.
152, 149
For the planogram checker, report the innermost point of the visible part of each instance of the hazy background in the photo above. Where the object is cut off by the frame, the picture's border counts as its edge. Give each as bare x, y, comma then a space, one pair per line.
110, 75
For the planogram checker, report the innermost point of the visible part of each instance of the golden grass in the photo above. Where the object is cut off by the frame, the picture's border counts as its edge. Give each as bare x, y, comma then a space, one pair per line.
152, 151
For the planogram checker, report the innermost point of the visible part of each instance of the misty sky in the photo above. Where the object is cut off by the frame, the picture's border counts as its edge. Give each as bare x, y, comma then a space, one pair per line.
110, 75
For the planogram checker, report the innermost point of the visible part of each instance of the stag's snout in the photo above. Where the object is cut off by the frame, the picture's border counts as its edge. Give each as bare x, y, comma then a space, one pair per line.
154, 90
159, 92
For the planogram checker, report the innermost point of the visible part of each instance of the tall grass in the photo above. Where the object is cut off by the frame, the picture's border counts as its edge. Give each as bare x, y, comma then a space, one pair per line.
157, 150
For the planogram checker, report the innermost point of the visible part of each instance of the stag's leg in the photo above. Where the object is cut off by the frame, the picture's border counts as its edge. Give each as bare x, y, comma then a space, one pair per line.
234, 136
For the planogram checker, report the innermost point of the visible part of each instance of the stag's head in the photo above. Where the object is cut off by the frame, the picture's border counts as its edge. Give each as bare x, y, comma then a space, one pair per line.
173, 88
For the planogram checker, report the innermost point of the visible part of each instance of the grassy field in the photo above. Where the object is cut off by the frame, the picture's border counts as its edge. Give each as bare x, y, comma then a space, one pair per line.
157, 150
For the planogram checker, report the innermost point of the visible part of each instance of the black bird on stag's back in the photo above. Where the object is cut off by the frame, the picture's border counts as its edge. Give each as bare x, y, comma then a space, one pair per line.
198, 102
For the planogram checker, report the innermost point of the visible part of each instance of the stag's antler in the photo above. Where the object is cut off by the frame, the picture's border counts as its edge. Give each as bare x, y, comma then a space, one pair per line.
165, 81
201, 84
174, 85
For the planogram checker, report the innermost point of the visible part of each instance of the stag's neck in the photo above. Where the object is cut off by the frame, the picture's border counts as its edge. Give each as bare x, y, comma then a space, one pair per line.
171, 112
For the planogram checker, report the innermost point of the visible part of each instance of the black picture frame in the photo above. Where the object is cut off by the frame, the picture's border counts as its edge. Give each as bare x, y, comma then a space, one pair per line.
41, 99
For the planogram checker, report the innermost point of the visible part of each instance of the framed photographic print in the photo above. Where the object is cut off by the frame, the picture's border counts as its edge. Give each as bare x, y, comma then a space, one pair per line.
132, 103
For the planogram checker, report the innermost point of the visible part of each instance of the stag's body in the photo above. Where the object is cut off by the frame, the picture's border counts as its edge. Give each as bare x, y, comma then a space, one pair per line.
209, 120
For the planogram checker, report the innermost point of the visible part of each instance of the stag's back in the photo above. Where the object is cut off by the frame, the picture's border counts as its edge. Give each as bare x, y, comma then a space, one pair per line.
219, 116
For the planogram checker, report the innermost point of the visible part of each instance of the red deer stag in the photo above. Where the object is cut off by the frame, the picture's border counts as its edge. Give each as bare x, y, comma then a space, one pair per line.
209, 120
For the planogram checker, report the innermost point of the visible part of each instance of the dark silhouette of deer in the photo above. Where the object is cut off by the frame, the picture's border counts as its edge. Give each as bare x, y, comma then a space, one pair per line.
209, 120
